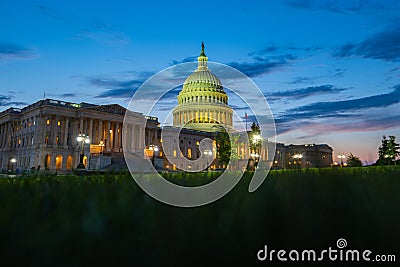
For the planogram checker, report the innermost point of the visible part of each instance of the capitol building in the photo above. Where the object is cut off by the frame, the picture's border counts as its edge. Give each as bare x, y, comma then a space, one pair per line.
45, 135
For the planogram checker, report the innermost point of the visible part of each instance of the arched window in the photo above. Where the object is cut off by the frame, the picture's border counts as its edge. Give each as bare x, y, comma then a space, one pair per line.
69, 163
59, 159
47, 162
189, 153
85, 159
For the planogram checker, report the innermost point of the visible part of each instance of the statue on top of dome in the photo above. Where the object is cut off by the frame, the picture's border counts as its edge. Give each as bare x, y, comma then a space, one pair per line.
202, 50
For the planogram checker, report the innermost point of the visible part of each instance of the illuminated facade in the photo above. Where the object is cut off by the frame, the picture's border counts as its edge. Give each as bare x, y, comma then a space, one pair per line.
202, 103
44, 135
302, 156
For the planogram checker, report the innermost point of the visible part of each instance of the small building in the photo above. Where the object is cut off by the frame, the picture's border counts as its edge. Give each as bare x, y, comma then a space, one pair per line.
302, 156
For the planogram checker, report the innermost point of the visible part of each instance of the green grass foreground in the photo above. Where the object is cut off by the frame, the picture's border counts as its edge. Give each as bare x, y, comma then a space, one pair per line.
109, 220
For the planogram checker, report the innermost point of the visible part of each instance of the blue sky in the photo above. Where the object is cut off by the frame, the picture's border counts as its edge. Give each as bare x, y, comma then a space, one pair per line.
329, 69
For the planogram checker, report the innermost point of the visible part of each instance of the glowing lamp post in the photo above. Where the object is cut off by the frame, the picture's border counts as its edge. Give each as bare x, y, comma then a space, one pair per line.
255, 155
13, 161
298, 157
341, 157
208, 154
154, 149
101, 144
83, 139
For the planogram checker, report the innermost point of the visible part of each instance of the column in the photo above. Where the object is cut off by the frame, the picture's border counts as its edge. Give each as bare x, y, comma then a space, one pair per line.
112, 137
65, 142
108, 135
116, 134
131, 137
3, 134
39, 128
54, 131
90, 133
148, 136
75, 135
81, 126
101, 132
6, 134
141, 138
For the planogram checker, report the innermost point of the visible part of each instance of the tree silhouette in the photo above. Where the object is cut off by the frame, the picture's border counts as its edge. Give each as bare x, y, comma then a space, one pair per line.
226, 148
388, 151
353, 161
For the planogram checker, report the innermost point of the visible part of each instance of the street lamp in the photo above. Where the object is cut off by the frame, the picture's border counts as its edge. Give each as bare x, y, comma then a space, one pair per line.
101, 144
13, 160
341, 157
83, 139
154, 149
298, 157
207, 154
255, 156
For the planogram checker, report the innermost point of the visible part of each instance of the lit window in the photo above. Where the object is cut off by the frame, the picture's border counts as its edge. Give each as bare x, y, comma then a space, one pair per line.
58, 123
161, 140
197, 143
160, 153
57, 140
174, 153
47, 140
48, 122
189, 153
